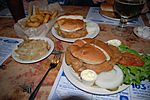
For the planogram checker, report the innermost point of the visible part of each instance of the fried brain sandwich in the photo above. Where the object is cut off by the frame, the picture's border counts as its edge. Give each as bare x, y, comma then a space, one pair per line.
71, 26
89, 56
92, 54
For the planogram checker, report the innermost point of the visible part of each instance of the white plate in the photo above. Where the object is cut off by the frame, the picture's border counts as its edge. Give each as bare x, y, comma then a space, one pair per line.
89, 35
108, 16
115, 18
111, 18
50, 42
136, 32
76, 81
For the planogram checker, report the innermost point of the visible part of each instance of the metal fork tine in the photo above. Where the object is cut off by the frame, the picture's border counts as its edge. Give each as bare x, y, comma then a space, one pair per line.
55, 61
58, 57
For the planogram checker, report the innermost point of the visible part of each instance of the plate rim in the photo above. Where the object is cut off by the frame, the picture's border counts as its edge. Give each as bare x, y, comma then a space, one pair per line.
108, 17
93, 90
112, 18
136, 33
55, 34
50, 42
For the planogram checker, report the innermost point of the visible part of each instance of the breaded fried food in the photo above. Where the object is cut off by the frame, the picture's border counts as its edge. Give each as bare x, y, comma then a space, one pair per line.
71, 26
92, 54
40, 17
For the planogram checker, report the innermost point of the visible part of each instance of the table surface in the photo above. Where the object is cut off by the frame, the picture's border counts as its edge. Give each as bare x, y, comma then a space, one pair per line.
14, 75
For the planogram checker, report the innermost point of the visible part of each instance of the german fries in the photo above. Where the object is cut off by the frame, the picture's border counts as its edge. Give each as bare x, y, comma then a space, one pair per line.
40, 17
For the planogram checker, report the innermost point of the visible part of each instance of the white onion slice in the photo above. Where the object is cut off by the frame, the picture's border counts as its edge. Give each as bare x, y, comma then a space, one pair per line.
111, 79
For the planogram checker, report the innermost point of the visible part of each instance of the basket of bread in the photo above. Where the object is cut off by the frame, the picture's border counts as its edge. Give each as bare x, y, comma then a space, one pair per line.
39, 23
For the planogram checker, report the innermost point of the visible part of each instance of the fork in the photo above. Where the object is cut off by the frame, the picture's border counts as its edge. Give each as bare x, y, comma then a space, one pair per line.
53, 64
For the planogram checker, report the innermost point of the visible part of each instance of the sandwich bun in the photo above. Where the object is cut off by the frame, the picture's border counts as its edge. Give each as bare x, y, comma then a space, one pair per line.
107, 10
71, 26
107, 7
88, 54
90, 51
92, 54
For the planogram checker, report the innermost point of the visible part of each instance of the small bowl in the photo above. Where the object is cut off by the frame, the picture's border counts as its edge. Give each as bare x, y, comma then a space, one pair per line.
88, 77
142, 32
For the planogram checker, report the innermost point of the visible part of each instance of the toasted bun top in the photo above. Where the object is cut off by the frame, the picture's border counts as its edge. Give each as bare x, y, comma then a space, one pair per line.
107, 7
70, 23
91, 51
88, 54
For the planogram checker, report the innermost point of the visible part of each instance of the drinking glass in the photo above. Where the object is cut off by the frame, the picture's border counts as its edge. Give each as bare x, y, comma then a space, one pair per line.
126, 9
16, 8
148, 4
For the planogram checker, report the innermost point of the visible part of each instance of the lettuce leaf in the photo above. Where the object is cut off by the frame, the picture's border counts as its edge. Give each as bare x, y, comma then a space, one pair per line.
124, 48
135, 74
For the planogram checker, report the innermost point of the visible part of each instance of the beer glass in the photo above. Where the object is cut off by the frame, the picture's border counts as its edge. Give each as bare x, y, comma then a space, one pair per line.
126, 9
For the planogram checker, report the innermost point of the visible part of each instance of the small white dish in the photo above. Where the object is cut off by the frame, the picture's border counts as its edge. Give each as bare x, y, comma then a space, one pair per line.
50, 42
142, 32
88, 77
114, 42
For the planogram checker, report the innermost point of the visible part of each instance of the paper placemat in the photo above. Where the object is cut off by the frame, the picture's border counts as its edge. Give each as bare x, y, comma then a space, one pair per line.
6, 47
64, 90
94, 15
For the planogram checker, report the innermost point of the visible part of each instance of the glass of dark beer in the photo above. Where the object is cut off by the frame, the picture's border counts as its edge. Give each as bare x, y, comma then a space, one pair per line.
16, 8
127, 9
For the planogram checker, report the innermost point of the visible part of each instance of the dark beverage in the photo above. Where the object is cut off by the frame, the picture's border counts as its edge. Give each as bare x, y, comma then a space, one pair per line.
129, 8
16, 8
148, 4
